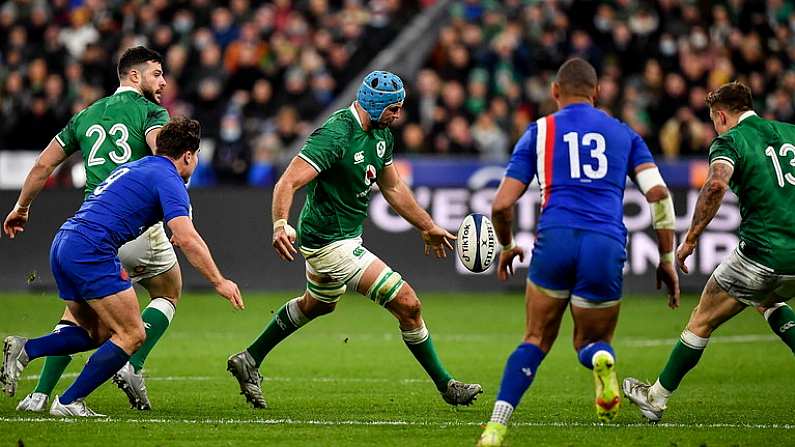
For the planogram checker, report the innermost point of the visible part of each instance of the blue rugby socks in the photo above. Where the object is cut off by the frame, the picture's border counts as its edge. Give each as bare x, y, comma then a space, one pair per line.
587, 352
62, 341
101, 366
520, 370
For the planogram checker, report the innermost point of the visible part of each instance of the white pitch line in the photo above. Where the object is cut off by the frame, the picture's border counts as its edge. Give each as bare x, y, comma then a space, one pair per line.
727, 339
390, 423
266, 379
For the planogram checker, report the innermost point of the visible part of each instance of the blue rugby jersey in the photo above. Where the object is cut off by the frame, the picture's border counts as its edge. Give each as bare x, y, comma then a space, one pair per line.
581, 157
134, 197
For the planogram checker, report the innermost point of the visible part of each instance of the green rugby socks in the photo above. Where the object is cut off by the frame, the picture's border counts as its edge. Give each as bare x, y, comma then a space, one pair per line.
286, 321
420, 344
157, 317
51, 372
781, 319
685, 355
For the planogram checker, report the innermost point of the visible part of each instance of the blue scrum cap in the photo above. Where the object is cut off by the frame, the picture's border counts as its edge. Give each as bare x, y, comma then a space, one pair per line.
379, 90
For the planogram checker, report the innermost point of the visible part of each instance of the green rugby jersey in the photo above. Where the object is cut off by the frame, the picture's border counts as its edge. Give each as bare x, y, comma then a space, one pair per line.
348, 161
763, 155
110, 132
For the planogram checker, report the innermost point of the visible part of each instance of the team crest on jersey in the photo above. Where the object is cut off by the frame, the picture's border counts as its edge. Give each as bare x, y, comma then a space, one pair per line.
369, 175
380, 148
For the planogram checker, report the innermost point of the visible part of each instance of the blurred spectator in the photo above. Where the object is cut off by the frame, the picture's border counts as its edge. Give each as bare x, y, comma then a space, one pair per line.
254, 73
490, 140
80, 33
656, 61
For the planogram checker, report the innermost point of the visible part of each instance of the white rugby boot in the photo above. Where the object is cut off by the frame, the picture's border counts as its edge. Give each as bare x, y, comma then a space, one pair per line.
35, 402
15, 359
77, 408
133, 385
638, 393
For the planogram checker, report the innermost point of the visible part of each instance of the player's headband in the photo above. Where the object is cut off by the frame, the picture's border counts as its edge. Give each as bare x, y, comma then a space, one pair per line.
379, 90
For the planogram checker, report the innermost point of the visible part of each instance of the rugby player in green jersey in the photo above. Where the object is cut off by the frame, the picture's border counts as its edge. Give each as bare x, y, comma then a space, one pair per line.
754, 157
340, 162
112, 131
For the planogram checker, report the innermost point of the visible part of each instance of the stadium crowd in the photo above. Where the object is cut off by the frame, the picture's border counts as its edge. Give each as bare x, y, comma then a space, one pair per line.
256, 73
488, 75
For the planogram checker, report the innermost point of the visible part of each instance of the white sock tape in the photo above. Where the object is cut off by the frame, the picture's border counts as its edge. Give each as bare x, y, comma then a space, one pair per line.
294, 313
772, 309
415, 336
164, 306
693, 341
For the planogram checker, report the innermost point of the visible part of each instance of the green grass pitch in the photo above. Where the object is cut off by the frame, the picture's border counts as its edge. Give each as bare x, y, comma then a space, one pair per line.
347, 379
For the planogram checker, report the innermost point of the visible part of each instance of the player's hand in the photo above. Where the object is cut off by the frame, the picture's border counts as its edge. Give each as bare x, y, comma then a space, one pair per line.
666, 274
505, 264
229, 290
15, 221
684, 250
436, 239
283, 240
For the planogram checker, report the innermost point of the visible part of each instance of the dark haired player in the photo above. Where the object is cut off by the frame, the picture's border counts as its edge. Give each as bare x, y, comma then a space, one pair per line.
87, 270
581, 157
110, 132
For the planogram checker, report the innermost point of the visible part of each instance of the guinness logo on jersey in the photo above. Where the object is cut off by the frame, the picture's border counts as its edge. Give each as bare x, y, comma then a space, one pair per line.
380, 148
369, 175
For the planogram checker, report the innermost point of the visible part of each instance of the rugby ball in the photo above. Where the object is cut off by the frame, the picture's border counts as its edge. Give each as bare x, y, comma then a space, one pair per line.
477, 243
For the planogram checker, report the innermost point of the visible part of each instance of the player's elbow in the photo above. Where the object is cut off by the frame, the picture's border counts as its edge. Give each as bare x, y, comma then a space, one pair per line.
657, 193
187, 241
42, 166
716, 186
500, 209
287, 183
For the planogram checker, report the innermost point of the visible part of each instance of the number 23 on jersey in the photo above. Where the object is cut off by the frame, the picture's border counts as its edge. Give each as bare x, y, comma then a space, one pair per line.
119, 134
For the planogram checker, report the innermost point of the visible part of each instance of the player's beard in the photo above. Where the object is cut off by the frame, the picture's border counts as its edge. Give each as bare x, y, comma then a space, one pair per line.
149, 93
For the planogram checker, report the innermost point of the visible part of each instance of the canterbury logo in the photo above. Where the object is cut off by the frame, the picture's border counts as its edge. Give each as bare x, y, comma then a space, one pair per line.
787, 326
147, 325
528, 372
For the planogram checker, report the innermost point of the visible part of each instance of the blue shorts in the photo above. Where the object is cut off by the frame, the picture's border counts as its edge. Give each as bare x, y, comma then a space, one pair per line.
584, 265
83, 270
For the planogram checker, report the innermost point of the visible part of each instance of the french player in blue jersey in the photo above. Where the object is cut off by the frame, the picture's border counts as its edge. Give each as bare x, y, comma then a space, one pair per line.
581, 157
97, 290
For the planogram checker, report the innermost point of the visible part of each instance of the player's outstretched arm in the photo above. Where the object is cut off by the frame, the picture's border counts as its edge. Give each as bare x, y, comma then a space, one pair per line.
49, 159
185, 236
297, 175
508, 193
707, 205
651, 183
401, 199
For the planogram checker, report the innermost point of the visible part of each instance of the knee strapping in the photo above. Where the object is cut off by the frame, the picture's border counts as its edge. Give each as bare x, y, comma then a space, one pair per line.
386, 287
325, 292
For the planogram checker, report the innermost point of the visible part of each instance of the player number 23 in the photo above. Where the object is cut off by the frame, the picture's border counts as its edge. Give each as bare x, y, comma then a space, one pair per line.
780, 176
597, 141
120, 134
